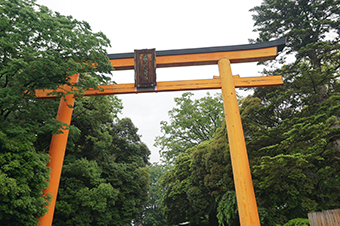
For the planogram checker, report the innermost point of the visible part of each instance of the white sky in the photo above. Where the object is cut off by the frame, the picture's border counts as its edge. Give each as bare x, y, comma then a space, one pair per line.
164, 25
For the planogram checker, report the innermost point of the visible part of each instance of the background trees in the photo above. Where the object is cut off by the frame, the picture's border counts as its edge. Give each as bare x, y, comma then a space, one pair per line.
152, 214
302, 115
104, 179
292, 132
197, 182
191, 122
38, 49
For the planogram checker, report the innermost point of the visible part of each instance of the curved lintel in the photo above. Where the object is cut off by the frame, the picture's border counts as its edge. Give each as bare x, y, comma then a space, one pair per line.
205, 56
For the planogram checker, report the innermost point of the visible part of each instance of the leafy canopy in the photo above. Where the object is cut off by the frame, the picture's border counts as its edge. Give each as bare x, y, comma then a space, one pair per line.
152, 214
191, 122
292, 132
295, 127
105, 180
39, 49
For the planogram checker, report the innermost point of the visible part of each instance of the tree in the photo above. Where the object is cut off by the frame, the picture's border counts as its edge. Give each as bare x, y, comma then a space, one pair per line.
312, 32
23, 176
295, 127
176, 182
152, 214
311, 27
292, 132
199, 184
104, 180
191, 122
291, 195
39, 49
200, 189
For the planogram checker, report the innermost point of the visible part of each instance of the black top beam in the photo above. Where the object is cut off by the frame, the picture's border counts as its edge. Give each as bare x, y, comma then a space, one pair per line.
280, 43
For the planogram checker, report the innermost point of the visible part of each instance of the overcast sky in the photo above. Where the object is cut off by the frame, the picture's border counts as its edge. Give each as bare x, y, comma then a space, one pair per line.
164, 25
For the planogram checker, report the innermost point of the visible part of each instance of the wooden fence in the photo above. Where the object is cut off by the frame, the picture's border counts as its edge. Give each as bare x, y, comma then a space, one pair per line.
325, 218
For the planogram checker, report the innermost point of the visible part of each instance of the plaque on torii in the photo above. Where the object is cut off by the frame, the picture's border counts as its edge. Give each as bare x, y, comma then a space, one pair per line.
145, 62
145, 69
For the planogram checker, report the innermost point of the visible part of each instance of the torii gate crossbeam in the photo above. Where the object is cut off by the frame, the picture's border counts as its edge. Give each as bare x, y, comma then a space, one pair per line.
223, 56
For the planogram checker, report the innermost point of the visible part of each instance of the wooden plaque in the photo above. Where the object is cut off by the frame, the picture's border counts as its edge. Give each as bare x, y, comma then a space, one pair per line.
145, 68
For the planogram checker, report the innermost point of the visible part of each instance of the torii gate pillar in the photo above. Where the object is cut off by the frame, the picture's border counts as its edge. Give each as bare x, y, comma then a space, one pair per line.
246, 202
57, 152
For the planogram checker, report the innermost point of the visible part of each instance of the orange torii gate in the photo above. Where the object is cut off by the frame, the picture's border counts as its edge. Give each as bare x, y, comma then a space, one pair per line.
145, 62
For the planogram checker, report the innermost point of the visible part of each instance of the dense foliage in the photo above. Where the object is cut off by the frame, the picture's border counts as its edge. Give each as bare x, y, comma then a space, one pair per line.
297, 126
292, 132
197, 182
152, 214
191, 122
104, 179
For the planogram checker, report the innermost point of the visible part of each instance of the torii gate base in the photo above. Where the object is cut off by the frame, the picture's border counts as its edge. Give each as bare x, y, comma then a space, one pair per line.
245, 195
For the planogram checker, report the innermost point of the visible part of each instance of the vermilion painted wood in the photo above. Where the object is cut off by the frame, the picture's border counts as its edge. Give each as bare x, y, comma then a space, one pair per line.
205, 56
183, 85
244, 56
246, 202
57, 153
